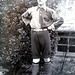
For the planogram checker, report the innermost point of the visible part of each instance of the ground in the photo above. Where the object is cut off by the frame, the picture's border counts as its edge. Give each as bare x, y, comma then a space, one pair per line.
60, 66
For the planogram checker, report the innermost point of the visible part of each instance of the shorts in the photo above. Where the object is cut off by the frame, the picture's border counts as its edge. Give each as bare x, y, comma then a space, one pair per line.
40, 44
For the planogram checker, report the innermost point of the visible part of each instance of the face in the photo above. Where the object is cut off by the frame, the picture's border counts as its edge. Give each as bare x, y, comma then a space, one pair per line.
41, 2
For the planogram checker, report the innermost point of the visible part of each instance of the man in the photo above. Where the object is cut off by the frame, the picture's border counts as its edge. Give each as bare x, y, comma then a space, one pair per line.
41, 19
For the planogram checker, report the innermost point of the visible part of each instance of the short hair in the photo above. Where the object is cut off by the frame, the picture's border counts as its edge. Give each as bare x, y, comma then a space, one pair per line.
42, 0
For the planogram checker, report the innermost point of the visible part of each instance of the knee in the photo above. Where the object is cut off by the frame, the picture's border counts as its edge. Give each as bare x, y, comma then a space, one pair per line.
36, 60
47, 60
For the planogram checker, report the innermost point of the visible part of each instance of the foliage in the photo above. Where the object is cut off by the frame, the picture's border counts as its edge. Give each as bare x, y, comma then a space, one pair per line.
16, 36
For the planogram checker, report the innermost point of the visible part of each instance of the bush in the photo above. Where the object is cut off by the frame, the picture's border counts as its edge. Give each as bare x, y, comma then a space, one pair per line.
16, 37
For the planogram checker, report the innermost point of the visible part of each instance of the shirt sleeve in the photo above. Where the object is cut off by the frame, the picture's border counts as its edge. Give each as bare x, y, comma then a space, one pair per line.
58, 21
26, 17
55, 16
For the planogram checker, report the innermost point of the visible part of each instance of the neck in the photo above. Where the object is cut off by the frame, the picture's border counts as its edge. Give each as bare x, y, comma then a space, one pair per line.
44, 7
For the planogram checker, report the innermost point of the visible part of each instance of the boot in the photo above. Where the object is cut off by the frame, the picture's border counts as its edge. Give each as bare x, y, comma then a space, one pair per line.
35, 69
48, 68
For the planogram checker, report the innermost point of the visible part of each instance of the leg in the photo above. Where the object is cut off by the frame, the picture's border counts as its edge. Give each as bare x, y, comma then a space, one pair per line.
46, 50
35, 66
47, 66
35, 53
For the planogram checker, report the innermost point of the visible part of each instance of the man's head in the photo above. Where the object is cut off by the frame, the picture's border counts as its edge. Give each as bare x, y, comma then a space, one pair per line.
41, 2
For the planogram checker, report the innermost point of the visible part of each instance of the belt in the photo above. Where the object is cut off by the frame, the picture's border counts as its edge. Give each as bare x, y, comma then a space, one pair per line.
38, 29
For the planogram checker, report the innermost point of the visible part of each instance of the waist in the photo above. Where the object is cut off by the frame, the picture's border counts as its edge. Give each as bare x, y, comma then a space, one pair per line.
39, 29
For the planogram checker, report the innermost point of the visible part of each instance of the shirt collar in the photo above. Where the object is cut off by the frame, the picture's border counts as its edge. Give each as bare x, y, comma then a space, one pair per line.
43, 7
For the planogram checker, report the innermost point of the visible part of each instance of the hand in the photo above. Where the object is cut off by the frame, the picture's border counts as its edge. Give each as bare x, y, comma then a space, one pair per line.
51, 27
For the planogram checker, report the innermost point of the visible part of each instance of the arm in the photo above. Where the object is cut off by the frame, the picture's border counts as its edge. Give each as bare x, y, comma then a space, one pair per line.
26, 17
58, 21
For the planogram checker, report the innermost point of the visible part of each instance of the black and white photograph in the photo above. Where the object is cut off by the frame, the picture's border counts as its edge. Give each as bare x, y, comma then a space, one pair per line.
37, 37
